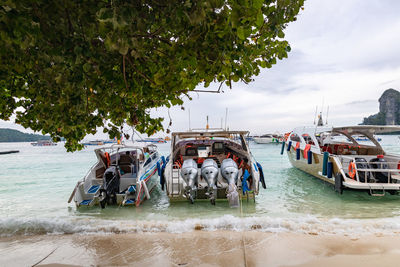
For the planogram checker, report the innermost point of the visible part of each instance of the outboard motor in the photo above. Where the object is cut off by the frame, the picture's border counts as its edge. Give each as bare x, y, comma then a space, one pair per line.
110, 187
209, 171
380, 163
230, 171
361, 163
189, 174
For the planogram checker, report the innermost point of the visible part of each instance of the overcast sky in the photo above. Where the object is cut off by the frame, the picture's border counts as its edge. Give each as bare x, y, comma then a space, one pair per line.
345, 54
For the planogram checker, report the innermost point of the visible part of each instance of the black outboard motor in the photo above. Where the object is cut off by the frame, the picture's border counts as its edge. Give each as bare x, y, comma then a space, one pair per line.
380, 163
361, 163
110, 188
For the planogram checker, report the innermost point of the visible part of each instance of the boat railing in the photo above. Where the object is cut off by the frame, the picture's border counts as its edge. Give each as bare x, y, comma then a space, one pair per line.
393, 174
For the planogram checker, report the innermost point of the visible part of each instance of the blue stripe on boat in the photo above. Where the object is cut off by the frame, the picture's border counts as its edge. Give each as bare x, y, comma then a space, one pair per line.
131, 188
130, 201
93, 189
86, 202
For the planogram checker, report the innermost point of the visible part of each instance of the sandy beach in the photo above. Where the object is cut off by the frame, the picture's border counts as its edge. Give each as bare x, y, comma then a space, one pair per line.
200, 248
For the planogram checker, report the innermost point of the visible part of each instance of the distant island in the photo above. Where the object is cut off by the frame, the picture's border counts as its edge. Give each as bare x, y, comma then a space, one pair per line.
389, 110
11, 135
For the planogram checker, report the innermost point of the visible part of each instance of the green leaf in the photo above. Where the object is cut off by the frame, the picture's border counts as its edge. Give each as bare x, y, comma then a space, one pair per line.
240, 33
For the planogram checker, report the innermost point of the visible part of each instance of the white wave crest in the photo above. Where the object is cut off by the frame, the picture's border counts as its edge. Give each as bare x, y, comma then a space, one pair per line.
307, 224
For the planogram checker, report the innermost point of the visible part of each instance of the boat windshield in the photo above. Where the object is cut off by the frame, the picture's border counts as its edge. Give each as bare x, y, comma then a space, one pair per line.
228, 137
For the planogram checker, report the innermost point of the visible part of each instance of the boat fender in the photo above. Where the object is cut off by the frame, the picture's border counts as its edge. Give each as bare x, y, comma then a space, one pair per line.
283, 147
297, 145
163, 160
289, 145
330, 169
162, 178
352, 170
325, 163
245, 188
159, 168
262, 180
309, 157
297, 153
339, 183
306, 149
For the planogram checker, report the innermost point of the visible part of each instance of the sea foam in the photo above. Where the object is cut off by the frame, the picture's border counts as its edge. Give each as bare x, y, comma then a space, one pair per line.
306, 224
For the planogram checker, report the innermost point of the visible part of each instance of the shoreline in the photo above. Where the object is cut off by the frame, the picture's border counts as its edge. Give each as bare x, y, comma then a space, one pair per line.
200, 248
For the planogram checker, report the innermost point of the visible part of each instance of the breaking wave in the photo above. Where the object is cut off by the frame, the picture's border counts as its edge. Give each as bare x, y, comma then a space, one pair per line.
308, 225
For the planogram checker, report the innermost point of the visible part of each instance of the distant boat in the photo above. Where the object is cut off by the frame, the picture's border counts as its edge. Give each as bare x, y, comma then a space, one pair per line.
94, 143
268, 138
365, 139
44, 143
8, 152
152, 140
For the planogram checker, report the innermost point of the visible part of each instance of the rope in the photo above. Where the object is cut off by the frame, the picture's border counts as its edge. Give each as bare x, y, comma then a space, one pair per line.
37, 263
243, 244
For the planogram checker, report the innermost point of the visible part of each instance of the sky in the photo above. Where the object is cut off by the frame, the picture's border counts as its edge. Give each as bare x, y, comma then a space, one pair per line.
345, 54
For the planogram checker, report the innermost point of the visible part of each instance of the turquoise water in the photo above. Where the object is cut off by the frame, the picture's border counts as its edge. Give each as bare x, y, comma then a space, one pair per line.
36, 183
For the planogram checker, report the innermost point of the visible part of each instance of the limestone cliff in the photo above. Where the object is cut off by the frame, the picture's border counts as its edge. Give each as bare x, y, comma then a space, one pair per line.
389, 110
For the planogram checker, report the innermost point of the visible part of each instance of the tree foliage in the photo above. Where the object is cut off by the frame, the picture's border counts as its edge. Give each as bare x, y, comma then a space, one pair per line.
68, 67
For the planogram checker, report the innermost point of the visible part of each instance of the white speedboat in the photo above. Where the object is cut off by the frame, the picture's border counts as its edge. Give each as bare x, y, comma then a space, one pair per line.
268, 138
211, 165
263, 139
123, 175
44, 143
333, 155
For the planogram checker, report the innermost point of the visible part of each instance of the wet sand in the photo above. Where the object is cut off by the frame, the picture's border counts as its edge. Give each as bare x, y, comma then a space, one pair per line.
200, 248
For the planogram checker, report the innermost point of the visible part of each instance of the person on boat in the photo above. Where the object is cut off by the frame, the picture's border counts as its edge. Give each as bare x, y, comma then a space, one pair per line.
146, 153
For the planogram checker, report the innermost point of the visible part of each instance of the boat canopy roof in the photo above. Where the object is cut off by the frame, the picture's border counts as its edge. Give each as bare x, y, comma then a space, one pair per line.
194, 134
371, 129
114, 147
357, 129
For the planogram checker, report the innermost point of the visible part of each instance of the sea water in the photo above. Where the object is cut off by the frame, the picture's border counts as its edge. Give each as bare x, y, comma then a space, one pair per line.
36, 183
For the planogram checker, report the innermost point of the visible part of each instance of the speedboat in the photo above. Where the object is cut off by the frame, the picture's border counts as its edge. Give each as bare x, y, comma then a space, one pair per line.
94, 143
123, 175
264, 139
334, 155
211, 165
365, 139
152, 140
44, 143
268, 138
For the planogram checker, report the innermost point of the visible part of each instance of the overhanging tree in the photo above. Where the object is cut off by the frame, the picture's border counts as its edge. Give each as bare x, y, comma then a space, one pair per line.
68, 67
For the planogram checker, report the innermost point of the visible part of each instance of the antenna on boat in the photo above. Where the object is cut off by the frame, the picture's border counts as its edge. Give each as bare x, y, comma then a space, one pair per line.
327, 112
320, 120
226, 118
315, 115
189, 120
207, 126
322, 108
